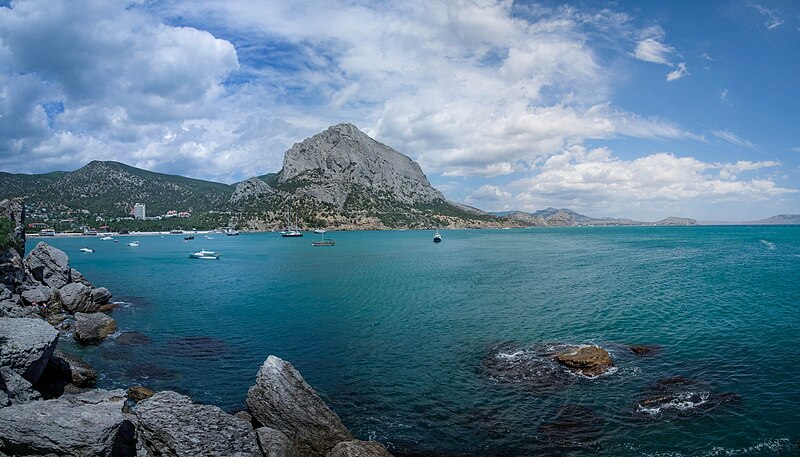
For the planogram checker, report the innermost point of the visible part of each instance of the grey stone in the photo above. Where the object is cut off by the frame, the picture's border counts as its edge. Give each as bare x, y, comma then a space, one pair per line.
81, 374
281, 399
358, 448
77, 297
93, 327
251, 188
275, 443
169, 424
26, 345
38, 294
76, 276
76, 425
49, 265
16, 388
101, 296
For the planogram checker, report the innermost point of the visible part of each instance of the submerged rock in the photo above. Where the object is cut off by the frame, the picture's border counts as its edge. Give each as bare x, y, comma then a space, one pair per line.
132, 339
275, 443
573, 426
586, 360
358, 448
93, 327
76, 425
680, 396
49, 265
533, 367
281, 399
26, 346
169, 424
643, 350
63, 373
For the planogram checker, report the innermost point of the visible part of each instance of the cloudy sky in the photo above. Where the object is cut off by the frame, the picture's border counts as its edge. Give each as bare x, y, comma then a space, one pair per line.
639, 109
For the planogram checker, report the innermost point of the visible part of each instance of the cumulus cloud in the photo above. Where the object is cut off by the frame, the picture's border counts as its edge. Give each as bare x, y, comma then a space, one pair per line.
650, 47
488, 194
594, 178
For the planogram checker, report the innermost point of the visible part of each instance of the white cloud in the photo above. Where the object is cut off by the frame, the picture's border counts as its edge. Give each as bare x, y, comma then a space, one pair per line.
489, 192
678, 73
733, 138
773, 19
652, 50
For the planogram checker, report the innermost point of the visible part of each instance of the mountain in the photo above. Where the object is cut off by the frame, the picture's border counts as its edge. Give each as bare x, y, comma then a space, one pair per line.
672, 220
338, 178
780, 219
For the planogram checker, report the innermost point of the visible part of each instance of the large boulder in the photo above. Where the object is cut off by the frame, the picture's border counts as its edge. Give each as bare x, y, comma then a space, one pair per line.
275, 443
586, 360
100, 296
282, 400
77, 297
75, 425
76, 276
15, 389
49, 265
26, 346
93, 327
358, 448
37, 294
169, 424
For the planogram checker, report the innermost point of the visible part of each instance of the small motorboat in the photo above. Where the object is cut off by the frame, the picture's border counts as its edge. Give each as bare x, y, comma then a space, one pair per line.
319, 231
106, 238
133, 244
323, 241
189, 237
87, 250
437, 238
203, 254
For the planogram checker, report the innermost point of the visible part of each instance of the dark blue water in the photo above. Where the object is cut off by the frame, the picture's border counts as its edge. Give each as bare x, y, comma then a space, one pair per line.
438, 348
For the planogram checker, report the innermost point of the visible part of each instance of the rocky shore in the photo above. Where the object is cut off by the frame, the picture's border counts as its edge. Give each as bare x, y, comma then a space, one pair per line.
48, 405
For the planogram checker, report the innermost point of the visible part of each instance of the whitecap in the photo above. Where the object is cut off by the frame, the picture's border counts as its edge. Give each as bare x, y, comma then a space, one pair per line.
769, 245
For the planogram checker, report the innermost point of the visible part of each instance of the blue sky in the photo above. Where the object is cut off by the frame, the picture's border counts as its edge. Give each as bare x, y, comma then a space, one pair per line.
629, 109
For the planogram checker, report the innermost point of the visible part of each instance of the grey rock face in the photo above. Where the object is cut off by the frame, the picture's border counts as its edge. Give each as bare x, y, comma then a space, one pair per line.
81, 374
358, 448
76, 276
101, 296
74, 425
334, 163
37, 294
169, 424
93, 327
26, 346
49, 265
14, 210
250, 188
15, 389
77, 297
275, 443
281, 399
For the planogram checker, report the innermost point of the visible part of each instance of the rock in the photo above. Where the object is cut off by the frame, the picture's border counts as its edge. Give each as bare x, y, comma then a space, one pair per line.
49, 265
139, 393
56, 319
37, 295
132, 339
65, 370
77, 297
101, 296
81, 373
358, 448
15, 388
243, 415
282, 400
14, 210
76, 425
587, 360
15, 307
643, 350
253, 187
76, 276
275, 443
169, 424
26, 346
93, 328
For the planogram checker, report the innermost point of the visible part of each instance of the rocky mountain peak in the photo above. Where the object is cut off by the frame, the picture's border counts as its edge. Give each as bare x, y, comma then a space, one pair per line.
343, 161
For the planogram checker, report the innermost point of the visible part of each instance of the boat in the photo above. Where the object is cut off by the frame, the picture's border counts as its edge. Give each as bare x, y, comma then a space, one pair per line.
319, 230
437, 238
106, 238
203, 254
87, 250
47, 232
90, 232
230, 231
133, 244
291, 232
190, 237
209, 237
176, 232
323, 241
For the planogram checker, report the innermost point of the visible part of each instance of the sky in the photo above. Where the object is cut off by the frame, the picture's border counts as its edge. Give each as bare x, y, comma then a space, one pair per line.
621, 109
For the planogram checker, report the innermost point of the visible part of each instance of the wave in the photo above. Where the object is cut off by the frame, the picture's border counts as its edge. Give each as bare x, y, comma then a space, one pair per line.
769, 245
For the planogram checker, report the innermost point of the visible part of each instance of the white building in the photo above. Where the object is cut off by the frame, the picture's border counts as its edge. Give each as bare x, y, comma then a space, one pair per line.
138, 211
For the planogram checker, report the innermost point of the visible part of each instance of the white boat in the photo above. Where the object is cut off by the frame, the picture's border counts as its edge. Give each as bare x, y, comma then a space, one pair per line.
47, 232
437, 238
290, 232
203, 254
106, 238
87, 250
209, 237
133, 244
323, 241
319, 231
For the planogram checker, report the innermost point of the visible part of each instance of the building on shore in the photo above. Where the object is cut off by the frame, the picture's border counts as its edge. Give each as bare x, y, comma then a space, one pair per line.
139, 211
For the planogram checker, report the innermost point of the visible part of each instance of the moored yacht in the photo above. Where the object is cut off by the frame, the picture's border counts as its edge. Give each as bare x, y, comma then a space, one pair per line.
203, 254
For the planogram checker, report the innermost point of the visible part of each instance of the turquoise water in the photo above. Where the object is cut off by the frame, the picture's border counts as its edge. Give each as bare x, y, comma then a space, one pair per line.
403, 337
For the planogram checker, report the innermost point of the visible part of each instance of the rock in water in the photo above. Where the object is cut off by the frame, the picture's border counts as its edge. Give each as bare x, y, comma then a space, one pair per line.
587, 360
75, 425
339, 162
77, 297
282, 400
26, 346
357, 448
139, 393
49, 265
275, 443
171, 425
93, 328
81, 374
101, 296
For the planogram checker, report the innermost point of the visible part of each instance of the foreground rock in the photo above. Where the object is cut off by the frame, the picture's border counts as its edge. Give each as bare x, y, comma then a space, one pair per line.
275, 443
75, 425
15, 389
93, 328
26, 346
282, 400
169, 424
139, 393
357, 448
586, 360
49, 265
77, 297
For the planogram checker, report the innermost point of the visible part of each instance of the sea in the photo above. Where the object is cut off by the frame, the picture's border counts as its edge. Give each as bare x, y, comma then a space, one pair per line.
446, 348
